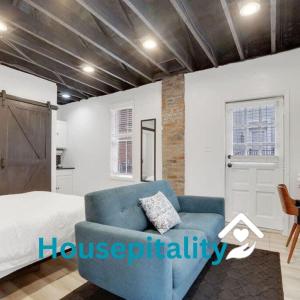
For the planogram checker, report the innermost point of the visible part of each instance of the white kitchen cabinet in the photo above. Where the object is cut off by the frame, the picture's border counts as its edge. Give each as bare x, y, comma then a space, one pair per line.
61, 134
64, 181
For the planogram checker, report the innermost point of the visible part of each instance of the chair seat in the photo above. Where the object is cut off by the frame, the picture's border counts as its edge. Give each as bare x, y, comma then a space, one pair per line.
210, 224
183, 267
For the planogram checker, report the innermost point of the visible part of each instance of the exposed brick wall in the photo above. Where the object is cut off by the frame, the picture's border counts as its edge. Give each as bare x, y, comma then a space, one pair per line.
173, 123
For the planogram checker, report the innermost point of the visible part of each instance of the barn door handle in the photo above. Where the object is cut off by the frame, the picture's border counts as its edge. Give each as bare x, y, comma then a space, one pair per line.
2, 164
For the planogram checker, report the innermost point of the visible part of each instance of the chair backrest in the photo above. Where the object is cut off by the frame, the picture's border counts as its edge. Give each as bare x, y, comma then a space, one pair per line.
287, 202
120, 206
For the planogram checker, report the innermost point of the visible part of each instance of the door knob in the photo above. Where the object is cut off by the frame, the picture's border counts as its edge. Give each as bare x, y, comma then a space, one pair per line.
229, 164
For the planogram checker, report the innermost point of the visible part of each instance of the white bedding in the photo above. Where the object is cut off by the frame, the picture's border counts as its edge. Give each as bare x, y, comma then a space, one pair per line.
26, 217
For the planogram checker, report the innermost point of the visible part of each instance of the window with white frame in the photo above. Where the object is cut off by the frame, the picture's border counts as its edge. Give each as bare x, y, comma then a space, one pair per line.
121, 143
254, 131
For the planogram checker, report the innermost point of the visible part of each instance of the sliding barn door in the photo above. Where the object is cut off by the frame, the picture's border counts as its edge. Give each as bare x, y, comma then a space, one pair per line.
25, 144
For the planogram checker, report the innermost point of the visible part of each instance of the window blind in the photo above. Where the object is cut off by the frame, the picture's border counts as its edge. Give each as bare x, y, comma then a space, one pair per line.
122, 142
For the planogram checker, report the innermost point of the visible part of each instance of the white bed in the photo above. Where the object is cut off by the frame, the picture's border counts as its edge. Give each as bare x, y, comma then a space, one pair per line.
26, 217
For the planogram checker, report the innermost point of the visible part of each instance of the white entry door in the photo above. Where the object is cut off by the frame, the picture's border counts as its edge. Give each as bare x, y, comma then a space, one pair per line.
254, 160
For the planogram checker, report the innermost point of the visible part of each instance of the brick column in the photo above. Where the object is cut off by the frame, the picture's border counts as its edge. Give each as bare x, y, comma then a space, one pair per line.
173, 124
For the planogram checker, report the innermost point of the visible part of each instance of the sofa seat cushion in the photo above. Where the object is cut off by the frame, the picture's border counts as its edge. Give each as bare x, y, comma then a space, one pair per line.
209, 223
183, 267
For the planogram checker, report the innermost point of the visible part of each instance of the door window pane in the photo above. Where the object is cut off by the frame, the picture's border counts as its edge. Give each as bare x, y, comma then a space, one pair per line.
254, 131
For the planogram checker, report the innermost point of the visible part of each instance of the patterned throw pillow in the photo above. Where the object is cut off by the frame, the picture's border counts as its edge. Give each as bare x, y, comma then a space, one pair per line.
160, 212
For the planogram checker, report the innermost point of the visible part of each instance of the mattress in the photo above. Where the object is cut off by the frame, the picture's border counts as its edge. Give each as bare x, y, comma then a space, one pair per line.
24, 218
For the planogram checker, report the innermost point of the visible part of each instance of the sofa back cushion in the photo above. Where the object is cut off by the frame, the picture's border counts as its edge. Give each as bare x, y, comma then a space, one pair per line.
120, 206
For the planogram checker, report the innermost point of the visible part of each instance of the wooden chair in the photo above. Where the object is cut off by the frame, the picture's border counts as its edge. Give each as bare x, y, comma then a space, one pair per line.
291, 207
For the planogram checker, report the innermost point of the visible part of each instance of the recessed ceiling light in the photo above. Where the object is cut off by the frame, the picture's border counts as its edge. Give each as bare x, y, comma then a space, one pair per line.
88, 68
3, 27
249, 7
66, 96
149, 44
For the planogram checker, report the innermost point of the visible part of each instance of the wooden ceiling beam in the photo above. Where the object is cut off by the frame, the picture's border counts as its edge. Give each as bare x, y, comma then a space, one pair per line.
62, 59
33, 27
61, 100
74, 93
58, 70
155, 24
186, 14
232, 29
104, 13
38, 54
12, 58
273, 8
11, 45
61, 88
55, 10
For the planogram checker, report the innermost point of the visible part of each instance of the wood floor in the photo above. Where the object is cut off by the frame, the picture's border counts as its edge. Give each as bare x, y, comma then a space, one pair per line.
57, 278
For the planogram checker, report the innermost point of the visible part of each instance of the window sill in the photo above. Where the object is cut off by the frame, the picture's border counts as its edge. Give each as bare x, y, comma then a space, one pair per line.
122, 178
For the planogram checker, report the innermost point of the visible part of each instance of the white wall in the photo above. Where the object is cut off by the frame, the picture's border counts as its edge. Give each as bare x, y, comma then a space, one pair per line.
27, 86
89, 135
206, 94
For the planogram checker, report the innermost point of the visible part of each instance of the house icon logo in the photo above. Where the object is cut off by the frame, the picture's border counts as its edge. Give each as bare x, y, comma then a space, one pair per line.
241, 235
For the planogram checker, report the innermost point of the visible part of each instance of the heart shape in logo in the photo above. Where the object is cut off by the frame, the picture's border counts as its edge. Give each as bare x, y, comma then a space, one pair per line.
241, 234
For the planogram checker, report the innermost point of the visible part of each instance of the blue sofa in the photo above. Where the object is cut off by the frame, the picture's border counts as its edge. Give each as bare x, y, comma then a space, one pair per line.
114, 215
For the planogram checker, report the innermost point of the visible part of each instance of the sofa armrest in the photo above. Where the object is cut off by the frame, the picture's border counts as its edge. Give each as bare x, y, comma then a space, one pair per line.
137, 280
198, 204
